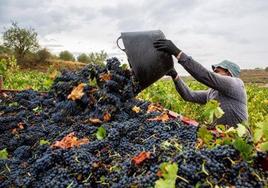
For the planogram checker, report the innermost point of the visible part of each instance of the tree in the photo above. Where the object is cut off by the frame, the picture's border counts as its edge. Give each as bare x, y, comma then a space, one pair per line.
98, 57
43, 55
83, 58
266, 69
20, 40
66, 56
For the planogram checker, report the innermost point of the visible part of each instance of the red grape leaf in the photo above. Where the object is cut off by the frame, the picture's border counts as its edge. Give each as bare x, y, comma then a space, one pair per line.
77, 92
154, 107
69, 141
138, 159
162, 117
105, 76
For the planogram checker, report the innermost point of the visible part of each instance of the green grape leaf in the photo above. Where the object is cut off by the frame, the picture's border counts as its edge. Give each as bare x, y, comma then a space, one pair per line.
220, 128
243, 147
264, 146
218, 112
162, 183
3, 154
265, 127
227, 140
101, 133
257, 135
169, 172
212, 109
205, 135
241, 130
43, 142
230, 130
261, 130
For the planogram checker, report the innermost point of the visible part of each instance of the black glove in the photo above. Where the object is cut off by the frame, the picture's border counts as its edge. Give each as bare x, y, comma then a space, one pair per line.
167, 46
173, 73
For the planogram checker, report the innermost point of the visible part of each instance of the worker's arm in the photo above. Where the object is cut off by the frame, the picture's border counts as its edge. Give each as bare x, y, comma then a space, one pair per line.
185, 92
225, 84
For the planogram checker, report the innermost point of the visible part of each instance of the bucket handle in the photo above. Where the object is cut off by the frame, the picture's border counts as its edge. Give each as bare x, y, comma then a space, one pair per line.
118, 44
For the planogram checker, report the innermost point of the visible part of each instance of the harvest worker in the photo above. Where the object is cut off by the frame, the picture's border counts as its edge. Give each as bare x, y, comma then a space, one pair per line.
224, 84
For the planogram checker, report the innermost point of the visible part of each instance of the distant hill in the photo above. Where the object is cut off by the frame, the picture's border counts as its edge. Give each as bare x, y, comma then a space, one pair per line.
254, 76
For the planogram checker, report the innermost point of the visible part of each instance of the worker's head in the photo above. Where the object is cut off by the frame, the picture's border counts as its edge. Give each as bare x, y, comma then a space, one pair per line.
227, 68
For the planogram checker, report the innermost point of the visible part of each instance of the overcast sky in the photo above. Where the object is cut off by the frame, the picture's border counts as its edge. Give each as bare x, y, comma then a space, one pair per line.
209, 31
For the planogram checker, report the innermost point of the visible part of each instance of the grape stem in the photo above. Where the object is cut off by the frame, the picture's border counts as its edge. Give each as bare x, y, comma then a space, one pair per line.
86, 180
182, 178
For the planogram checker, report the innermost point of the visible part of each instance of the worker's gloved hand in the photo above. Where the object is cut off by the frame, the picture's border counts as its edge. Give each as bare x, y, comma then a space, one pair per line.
167, 46
173, 73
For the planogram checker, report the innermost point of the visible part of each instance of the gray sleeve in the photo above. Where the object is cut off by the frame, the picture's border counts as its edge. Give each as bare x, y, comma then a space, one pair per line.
225, 84
189, 95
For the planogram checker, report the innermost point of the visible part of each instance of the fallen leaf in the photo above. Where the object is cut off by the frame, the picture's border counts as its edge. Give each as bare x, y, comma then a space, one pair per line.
95, 120
3, 153
69, 141
154, 107
77, 92
21, 126
14, 131
106, 116
162, 117
136, 109
101, 133
96, 164
159, 173
138, 159
105, 76
199, 143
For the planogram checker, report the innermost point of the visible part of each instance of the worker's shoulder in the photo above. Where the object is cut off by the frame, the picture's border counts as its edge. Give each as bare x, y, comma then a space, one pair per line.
240, 81
237, 80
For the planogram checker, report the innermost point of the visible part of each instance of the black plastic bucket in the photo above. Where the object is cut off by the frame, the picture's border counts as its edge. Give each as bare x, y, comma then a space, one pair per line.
147, 63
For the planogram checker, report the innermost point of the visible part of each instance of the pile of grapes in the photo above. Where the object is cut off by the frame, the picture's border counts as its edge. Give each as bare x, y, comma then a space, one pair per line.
91, 131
